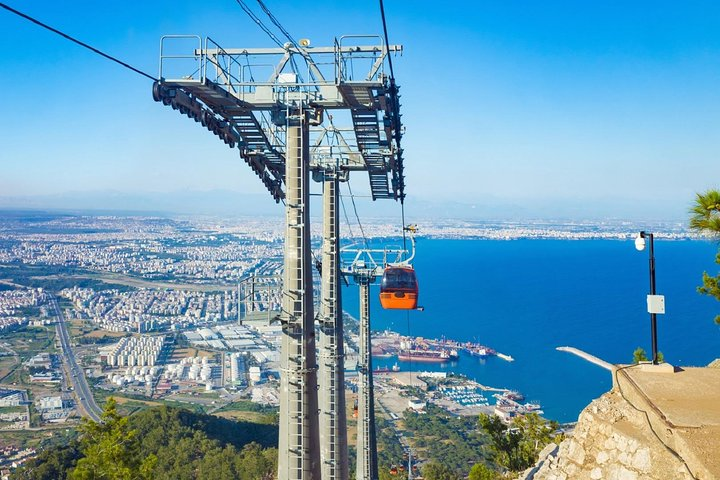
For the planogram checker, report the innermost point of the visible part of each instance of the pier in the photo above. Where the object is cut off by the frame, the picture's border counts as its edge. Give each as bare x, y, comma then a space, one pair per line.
507, 358
588, 357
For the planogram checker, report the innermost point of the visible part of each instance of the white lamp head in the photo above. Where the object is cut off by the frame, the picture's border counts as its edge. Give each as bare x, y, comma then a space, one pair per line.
640, 242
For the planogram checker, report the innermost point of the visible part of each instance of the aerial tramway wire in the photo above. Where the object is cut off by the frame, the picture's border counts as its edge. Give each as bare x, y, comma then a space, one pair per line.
290, 38
382, 14
362, 231
396, 129
277, 23
347, 218
74, 40
259, 23
396, 125
265, 29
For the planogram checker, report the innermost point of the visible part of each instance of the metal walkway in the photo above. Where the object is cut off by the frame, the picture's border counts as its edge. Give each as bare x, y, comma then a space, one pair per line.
220, 92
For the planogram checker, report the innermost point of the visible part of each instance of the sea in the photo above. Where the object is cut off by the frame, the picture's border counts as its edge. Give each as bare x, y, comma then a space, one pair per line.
524, 298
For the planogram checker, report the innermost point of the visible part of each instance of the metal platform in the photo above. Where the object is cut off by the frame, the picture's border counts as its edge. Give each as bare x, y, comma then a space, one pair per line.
217, 88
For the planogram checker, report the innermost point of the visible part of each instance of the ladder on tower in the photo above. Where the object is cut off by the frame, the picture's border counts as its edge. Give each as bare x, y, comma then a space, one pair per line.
379, 186
369, 142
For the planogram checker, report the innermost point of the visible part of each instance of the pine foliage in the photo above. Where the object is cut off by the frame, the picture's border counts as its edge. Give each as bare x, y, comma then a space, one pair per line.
162, 443
705, 218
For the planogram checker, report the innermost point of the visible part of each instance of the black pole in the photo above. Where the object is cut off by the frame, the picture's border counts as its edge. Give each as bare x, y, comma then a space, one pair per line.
653, 316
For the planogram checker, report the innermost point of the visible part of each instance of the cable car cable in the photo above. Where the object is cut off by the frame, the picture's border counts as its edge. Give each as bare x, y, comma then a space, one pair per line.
259, 23
362, 231
74, 40
402, 216
272, 36
277, 23
396, 123
347, 219
387, 43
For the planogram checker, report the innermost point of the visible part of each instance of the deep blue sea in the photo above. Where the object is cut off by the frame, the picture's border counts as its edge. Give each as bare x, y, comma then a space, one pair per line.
526, 297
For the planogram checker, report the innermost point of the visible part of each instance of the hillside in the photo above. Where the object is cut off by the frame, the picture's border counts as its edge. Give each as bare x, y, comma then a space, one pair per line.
170, 443
657, 423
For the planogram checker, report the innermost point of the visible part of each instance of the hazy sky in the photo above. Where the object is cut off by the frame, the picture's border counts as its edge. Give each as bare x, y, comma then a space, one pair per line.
525, 103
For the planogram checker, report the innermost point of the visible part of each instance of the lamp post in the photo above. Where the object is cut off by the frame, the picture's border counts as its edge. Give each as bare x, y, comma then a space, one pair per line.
656, 303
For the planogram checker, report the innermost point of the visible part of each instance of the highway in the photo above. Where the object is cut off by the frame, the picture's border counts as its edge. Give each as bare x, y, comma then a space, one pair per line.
16, 359
83, 395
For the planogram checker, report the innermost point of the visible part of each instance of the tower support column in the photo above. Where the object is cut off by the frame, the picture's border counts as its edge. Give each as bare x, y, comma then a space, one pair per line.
298, 449
331, 364
367, 468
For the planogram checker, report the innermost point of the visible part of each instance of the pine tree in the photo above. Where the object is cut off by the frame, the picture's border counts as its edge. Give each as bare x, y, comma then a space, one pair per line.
705, 218
110, 449
480, 471
639, 355
437, 471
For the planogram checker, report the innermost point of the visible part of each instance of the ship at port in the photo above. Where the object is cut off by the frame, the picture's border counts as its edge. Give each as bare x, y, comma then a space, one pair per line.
395, 368
481, 351
422, 353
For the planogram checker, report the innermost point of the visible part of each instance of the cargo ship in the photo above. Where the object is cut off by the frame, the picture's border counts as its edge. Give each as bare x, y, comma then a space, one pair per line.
422, 355
481, 351
422, 352
395, 368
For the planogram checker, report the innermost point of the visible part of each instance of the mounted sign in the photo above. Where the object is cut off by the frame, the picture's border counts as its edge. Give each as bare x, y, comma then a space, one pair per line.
656, 303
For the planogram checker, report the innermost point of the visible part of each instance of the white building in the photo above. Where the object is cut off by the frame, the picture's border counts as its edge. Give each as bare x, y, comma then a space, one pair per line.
135, 351
11, 398
50, 403
255, 374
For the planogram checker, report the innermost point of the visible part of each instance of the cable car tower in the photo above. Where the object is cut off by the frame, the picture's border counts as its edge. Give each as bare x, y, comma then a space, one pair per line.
277, 115
364, 268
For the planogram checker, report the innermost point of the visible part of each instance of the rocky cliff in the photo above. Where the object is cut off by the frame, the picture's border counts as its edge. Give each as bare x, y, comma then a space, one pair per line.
657, 423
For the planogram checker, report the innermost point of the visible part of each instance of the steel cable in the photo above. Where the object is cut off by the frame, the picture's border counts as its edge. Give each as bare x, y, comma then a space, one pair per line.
75, 40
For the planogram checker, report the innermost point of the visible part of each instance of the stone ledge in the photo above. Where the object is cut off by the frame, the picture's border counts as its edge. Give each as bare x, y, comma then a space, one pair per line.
659, 368
683, 409
651, 426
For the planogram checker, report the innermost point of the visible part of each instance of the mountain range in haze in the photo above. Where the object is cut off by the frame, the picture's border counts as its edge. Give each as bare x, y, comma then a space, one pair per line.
227, 203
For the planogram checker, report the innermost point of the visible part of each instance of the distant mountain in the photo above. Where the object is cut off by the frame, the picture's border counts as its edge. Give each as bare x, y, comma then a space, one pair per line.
228, 203
215, 203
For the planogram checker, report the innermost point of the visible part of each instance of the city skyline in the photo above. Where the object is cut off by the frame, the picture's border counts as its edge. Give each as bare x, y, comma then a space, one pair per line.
544, 110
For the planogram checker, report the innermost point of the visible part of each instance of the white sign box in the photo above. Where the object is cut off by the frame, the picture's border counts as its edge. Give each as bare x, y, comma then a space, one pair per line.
656, 303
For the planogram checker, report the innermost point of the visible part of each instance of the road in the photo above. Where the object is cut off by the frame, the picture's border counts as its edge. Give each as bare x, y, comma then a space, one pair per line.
118, 278
83, 395
16, 359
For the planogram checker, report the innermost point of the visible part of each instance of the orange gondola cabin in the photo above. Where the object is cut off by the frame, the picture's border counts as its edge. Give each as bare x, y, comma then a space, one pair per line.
399, 288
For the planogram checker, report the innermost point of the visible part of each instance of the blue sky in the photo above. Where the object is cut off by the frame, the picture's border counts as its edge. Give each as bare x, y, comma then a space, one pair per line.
610, 105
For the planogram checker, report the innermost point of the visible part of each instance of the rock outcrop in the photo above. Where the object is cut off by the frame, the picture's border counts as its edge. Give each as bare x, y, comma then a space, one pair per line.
650, 426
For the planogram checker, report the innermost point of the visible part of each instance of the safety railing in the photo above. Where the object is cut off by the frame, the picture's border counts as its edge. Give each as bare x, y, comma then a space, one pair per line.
352, 58
178, 64
346, 61
223, 65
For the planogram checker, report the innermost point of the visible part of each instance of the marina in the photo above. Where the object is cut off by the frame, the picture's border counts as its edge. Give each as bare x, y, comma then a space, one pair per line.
465, 395
403, 361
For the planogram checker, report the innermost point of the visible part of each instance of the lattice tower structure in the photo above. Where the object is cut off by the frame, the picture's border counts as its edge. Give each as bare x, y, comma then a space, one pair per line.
279, 127
364, 267
367, 463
